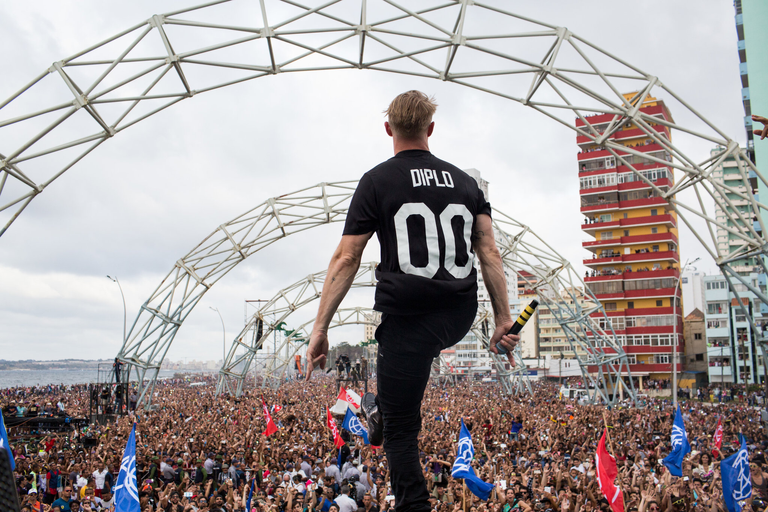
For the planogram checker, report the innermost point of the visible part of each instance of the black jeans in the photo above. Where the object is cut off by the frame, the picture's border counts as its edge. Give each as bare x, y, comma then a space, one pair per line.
407, 346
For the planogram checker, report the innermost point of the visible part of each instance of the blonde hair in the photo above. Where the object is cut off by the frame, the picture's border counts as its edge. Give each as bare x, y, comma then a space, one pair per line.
410, 114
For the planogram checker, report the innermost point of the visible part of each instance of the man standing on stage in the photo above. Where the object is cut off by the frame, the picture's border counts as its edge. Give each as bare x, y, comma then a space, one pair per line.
431, 219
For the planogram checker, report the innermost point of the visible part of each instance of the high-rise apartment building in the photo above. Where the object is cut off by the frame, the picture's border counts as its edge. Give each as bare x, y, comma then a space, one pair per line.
469, 355
729, 173
634, 265
553, 340
730, 338
751, 19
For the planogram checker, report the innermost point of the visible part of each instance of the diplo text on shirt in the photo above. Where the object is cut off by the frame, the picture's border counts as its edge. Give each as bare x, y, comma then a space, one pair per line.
423, 177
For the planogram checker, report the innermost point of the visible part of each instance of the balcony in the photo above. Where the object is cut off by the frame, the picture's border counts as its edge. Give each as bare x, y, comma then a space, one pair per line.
642, 203
659, 329
637, 312
620, 135
602, 278
634, 258
650, 220
716, 371
603, 242
652, 274
718, 332
585, 156
651, 238
719, 351
629, 276
631, 185
602, 261
600, 207
643, 370
650, 294
650, 256
640, 184
599, 119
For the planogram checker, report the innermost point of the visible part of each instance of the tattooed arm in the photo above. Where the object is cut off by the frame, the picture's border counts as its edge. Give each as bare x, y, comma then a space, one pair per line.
338, 280
484, 245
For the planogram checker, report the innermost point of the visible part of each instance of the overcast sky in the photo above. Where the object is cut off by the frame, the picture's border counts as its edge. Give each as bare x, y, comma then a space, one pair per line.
142, 200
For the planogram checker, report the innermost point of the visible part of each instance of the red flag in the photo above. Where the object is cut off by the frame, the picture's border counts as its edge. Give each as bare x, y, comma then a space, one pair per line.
718, 438
271, 427
346, 397
338, 442
607, 471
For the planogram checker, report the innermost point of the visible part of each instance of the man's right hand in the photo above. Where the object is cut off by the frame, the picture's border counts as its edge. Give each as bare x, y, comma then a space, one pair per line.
317, 352
508, 341
761, 133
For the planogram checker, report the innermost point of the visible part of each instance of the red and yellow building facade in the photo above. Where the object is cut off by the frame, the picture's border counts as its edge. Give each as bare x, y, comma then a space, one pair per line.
633, 240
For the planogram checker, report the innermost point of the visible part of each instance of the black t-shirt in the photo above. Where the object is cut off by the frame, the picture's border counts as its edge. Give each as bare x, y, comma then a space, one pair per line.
423, 211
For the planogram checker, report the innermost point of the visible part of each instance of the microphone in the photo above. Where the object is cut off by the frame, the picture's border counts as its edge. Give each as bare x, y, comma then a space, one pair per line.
520, 322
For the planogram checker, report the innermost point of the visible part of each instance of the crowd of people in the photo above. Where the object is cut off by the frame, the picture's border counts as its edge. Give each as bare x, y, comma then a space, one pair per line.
197, 452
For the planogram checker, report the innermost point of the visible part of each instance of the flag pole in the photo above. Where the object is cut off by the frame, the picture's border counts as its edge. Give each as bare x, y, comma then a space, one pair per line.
464, 494
613, 454
608, 435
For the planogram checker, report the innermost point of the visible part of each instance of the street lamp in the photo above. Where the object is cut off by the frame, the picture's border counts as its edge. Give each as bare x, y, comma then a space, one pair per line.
674, 332
125, 314
224, 344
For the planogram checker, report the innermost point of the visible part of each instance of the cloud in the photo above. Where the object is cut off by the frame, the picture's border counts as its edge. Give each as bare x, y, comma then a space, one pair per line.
136, 205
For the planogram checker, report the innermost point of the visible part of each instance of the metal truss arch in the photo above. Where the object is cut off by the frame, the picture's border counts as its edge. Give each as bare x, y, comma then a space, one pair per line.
79, 102
163, 313
193, 275
139, 72
274, 313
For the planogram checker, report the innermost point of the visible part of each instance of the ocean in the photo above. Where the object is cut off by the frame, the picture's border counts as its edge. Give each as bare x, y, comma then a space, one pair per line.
25, 378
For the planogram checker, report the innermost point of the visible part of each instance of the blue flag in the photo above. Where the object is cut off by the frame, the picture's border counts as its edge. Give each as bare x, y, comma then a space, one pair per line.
462, 468
126, 491
352, 423
5, 444
680, 446
250, 497
737, 478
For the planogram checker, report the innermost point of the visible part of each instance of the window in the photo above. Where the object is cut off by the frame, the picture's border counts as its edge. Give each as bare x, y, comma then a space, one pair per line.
654, 212
630, 305
610, 306
626, 232
699, 357
625, 215
606, 287
697, 335
606, 235
649, 284
601, 180
654, 231
649, 321
658, 303
717, 308
655, 248
606, 218
661, 358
